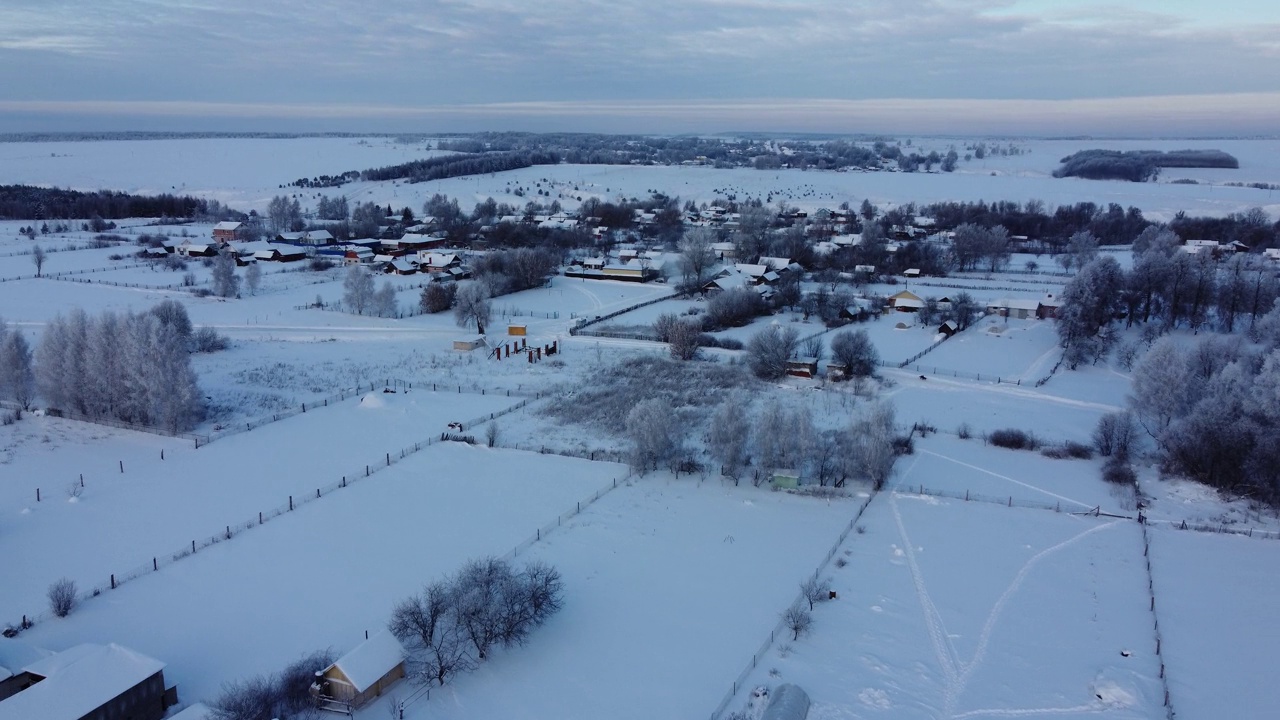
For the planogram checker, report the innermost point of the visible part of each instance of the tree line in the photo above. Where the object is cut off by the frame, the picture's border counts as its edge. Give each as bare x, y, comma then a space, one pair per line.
132, 367
25, 202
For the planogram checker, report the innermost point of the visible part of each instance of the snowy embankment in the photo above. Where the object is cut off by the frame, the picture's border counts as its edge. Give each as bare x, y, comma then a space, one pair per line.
155, 507
1215, 597
953, 610
321, 576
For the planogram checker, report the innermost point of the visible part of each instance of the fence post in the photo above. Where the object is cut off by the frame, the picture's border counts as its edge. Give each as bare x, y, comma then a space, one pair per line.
37, 494
155, 564
113, 581
290, 503
121, 466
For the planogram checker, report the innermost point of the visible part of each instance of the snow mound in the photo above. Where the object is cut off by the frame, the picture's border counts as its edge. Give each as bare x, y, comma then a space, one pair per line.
373, 400
875, 698
1117, 689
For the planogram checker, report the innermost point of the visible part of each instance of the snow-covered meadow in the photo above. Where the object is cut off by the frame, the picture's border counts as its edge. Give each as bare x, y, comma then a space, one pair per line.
945, 608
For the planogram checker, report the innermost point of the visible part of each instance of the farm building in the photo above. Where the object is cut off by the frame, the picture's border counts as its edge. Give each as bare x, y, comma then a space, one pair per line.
90, 682
190, 249
948, 328
468, 344
361, 675
1048, 306
805, 367
1018, 308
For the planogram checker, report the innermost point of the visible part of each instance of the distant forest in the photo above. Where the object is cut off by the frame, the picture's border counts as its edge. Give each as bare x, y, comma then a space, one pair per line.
1138, 165
26, 202
496, 152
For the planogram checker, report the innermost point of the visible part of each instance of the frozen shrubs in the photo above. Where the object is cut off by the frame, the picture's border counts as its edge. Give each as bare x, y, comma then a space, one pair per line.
62, 597
1013, 439
286, 696
1119, 473
451, 626
1068, 450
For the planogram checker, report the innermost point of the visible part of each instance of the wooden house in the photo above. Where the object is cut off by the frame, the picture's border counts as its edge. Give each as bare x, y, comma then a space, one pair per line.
361, 675
90, 682
906, 301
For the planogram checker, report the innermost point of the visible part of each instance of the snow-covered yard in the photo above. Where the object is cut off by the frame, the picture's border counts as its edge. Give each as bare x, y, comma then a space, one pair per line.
121, 520
953, 610
669, 587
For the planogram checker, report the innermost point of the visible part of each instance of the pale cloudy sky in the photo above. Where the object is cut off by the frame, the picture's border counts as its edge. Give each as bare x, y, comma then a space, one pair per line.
1165, 67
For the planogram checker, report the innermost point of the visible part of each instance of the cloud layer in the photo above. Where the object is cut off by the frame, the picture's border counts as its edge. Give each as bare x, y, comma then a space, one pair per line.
437, 56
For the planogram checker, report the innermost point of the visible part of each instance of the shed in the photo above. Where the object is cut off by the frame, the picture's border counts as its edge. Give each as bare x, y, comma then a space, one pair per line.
911, 272
948, 328
518, 330
805, 367
362, 674
785, 479
787, 702
468, 344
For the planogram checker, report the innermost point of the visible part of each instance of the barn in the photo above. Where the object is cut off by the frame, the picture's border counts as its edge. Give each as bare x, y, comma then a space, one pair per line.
361, 675
90, 682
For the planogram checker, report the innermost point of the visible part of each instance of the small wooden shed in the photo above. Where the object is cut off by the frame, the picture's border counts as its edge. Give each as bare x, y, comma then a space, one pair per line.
805, 367
468, 344
362, 674
517, 329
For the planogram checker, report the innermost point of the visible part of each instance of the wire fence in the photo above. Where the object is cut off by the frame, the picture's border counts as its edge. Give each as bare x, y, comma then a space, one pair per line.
63, 274
1155, 619
780, 630
587, 322
293, 502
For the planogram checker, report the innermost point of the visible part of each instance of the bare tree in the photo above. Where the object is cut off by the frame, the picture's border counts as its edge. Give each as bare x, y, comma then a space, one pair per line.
730, 433
853, 350
471, 306
798, 620
62, 597
871, 451
815, 590
37, 257
1115, 434
696, 254
770, 349
436, 297
662, 326
384, 301
684, 339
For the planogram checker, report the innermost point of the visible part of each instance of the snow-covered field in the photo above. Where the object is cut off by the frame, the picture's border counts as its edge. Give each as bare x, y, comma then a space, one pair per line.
948, 609
1007, 605
1215, 598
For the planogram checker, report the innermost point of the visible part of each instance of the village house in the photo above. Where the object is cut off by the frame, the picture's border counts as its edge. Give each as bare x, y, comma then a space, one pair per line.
361, 675
1018, 308
905, 301
89, 682
227, 231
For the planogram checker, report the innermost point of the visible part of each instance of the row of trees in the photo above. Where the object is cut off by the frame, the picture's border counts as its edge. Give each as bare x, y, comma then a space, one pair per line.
25, 202
1213, 409
360, 297
130, 367
779, 437
1167, 288
17, 382
454, 623
284, 696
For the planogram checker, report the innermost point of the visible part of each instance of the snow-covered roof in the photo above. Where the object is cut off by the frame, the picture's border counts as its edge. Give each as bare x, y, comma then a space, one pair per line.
776, 263
753, 270
78, 681
1015, 304
373, 658
402, 265
227, 225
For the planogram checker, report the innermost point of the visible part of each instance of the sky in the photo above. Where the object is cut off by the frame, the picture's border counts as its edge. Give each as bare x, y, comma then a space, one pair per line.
1022, 67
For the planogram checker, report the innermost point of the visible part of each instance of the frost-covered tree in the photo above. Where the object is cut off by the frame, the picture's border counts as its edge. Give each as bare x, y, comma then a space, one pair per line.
696, 254
384, 301
871, 454
1161, 390
253, 278
652, 428
17, 380
436, 297
357, 289
225, 281
174, 313
730, 433
471, 306
1090, 302
683, 339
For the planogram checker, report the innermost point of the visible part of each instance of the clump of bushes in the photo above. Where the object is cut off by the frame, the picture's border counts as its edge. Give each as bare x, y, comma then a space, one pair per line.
1119, 473
286, 696
1013, 439
62, 597
1068, 450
